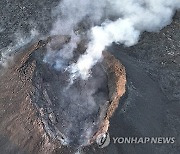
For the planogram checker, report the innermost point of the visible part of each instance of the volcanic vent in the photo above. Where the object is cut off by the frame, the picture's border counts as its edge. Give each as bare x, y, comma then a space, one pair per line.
72, 113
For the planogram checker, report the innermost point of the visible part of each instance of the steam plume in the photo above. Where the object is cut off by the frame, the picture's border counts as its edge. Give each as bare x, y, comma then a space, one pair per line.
119, 21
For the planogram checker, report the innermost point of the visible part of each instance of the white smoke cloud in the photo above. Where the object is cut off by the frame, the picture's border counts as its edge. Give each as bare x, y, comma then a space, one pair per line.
121, 31
119, 21
135, 17
69, 14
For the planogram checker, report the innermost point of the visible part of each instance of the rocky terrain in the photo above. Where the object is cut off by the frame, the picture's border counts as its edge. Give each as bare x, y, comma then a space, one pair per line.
151, 104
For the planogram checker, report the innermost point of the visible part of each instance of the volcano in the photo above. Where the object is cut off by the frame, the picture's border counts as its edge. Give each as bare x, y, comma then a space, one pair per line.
42, 112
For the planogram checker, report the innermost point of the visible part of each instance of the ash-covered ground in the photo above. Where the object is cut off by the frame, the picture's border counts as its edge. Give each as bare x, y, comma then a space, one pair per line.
151, 104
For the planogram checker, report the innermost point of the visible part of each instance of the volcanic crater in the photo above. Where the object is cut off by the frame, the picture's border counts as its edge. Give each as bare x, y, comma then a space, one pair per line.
50, 111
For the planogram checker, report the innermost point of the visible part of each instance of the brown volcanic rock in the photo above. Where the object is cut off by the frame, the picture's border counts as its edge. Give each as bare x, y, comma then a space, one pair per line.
27, 124
116, 84
20, 128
